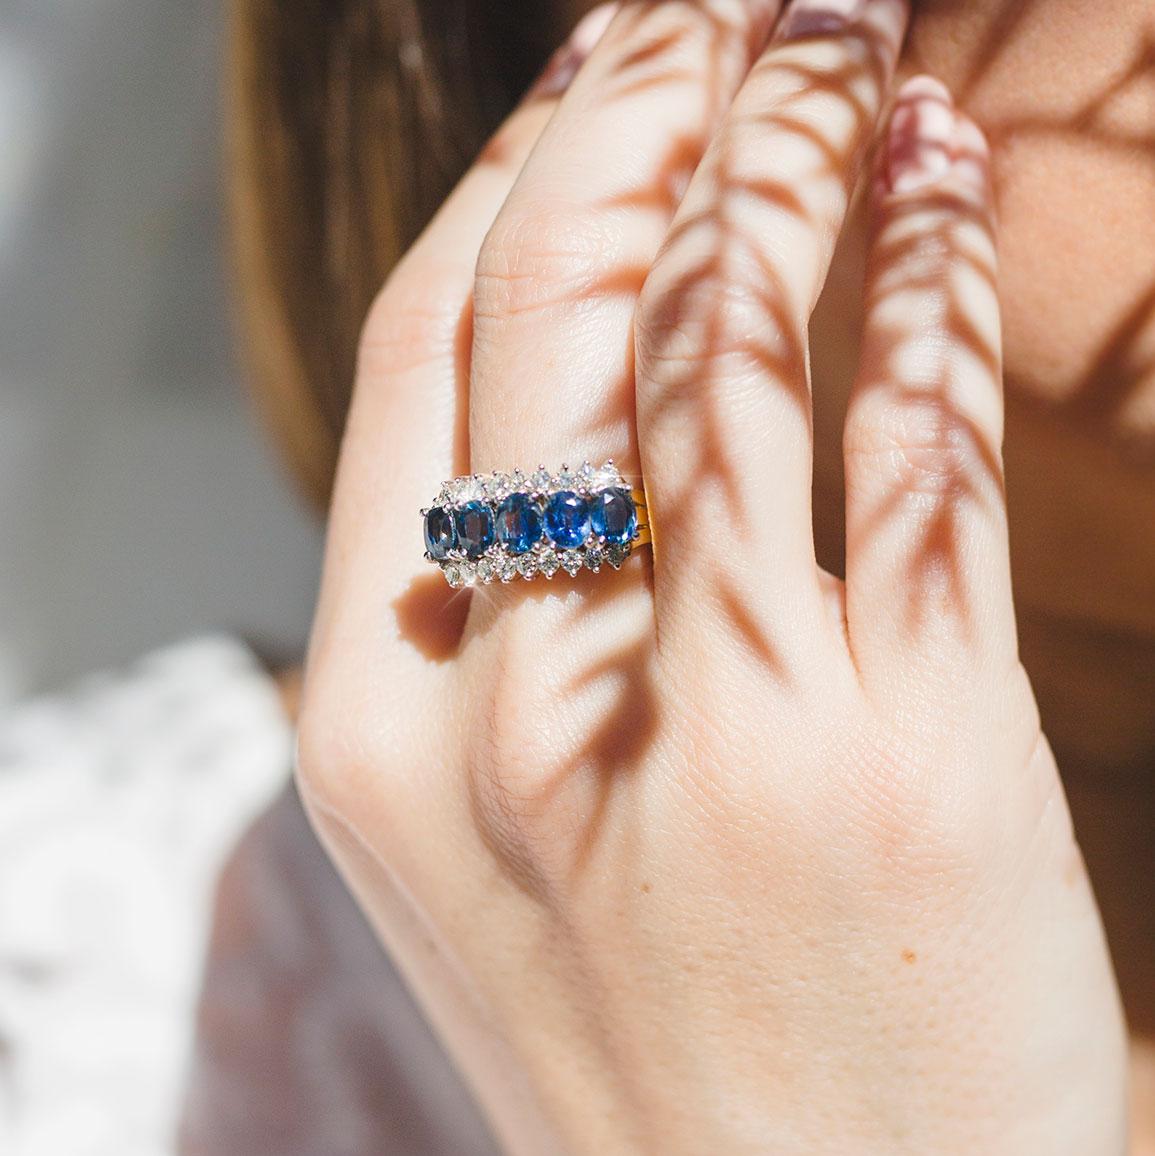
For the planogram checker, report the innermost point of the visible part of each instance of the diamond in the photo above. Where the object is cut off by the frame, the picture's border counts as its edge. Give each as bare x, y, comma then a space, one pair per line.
612, 516
567, 519
571, 562
465, 490
440, 534
485, 567
527, 565
475, 533
453, 574
500, 485
540, 479
519, 521
616, 554
605, 477
548, 563
594, 557
505, 568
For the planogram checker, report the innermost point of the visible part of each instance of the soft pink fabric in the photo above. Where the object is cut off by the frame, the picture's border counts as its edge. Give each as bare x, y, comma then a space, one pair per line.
308, 1042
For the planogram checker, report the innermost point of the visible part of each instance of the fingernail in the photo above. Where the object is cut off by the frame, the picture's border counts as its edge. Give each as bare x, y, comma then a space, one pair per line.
817, 17
565, 62
922, 127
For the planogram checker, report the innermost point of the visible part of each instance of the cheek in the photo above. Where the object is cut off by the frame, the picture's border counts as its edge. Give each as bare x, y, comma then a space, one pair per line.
1064, 93
1078, 289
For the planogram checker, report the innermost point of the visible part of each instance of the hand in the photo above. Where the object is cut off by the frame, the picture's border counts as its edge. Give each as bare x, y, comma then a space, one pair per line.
715, 854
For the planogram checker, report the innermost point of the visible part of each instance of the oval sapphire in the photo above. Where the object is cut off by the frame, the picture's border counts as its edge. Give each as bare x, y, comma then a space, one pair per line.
519, 520
567, 519
440, 534
474, 528
613, 516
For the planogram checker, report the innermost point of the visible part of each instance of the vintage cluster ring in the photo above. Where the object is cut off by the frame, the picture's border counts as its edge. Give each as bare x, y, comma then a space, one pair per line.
498, 527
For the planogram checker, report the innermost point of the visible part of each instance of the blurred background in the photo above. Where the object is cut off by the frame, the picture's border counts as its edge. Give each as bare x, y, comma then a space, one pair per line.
139, 500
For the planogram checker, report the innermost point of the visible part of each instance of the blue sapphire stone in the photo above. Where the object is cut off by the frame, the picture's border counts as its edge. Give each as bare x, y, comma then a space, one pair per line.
474, 528
613, 516
519, 523
567, 519
440, 533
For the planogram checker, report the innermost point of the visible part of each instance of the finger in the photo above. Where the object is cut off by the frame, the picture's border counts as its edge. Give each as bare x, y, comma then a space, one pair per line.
723, 396
558, 276
928, 572
406, 428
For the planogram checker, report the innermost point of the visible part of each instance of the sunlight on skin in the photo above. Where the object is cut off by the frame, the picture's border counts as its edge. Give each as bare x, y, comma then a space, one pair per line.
567, 810
779, 830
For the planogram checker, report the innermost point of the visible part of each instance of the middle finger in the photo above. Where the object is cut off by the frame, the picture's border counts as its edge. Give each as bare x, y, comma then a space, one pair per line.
558, 275
723, 394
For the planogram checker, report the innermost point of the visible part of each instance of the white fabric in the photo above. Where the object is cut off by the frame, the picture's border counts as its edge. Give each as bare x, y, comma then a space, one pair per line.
119, 803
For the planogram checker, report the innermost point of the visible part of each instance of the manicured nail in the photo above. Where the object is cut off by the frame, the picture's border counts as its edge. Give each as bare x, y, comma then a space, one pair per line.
817, 17
563, 66
919, 142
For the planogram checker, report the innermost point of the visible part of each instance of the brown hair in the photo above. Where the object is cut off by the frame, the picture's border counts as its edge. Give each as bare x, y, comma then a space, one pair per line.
349, 122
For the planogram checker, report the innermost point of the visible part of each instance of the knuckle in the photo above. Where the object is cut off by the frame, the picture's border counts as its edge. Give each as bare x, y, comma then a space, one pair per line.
723, 314
510, 757
345, 765
924, 829
324, 771
535, 258
923, 443
414, 319
520, 778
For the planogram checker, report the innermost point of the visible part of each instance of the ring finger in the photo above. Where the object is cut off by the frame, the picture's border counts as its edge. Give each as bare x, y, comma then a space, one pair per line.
411, 377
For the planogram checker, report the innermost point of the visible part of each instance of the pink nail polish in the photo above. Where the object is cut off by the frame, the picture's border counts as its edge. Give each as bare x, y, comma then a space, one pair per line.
817, 17
922, 127
563, 67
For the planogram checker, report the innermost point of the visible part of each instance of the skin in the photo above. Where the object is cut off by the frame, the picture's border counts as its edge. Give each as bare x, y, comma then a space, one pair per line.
722, 853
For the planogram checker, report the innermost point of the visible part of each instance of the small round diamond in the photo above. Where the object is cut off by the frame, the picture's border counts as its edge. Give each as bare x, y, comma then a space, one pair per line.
594, 557
453, 575
465, 490
440, 533
505, 568
475, 532
567, 519
603, 477
527, 565
571, 562
616, 554
485, 569
613, 516
548, 563
540, 479
519, 523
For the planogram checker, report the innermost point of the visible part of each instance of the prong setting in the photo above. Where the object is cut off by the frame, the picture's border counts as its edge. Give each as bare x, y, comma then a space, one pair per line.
570, 544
